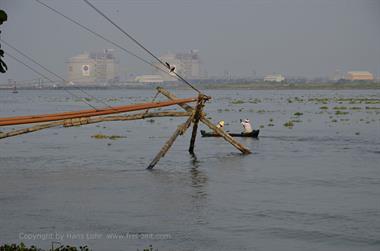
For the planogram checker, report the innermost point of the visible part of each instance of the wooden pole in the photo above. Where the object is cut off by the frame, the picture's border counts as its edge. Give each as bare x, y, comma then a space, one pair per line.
137, 116
88, 113
208, 123
84, 121
180, 130
198, 111
226, 136
30, 129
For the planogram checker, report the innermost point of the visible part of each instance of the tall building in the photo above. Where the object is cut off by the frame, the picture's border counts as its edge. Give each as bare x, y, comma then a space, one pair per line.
187, 64
95, 67
359, 75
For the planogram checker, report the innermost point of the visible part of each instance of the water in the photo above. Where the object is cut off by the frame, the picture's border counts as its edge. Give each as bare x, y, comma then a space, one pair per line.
313, 187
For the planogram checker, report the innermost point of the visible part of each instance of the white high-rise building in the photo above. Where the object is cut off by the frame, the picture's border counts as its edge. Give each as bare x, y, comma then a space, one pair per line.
95, 67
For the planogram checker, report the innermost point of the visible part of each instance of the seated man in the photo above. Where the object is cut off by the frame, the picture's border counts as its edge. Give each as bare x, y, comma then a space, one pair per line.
220, 124
246, 125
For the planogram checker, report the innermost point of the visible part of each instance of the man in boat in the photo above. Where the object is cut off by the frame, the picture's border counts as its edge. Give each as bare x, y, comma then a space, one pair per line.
220, 124
247, 128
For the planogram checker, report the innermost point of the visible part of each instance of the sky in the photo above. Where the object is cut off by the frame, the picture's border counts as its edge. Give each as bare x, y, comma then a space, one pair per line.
305, 38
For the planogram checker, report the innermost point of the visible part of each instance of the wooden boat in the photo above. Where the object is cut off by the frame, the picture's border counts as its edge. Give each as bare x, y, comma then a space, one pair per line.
253, 134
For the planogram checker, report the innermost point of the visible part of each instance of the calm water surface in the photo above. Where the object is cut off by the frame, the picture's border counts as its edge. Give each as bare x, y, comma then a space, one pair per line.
315, 186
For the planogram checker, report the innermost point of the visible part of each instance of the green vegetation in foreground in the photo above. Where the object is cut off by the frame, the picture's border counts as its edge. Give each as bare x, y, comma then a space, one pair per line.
103, 136
22, 247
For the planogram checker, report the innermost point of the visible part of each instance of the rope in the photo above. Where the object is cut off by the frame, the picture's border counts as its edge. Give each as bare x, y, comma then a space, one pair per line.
139, 44
153, 99
53, 73
103, 37
42, 75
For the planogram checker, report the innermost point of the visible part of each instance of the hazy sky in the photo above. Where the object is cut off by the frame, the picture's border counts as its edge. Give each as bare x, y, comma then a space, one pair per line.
308, 38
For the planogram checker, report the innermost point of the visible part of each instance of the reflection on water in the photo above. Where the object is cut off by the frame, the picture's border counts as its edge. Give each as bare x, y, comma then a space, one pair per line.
199, 179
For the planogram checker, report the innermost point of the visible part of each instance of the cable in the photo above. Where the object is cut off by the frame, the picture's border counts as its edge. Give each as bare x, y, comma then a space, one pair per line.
139, 44
103, 37
58, 76
42, 75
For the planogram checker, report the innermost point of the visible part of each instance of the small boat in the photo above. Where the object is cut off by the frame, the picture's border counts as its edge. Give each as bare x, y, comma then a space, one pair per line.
253, 134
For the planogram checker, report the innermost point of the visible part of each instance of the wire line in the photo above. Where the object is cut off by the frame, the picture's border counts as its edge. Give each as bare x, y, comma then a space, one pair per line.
104, 38
44, 76
139, 44
51, 72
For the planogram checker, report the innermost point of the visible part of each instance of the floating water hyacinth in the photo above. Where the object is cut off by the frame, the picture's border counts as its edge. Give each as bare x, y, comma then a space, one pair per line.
340, 113
289, 124
103, 136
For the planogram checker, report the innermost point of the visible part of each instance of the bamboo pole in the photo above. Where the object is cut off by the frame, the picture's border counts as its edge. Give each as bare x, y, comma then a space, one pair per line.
208, 123
29, 129
180, 130
198, 111
88, 113
134, 117
226, 136
84, 121
171, 96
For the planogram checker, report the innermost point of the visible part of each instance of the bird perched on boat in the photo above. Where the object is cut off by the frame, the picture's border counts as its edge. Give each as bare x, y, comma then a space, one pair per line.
171, 68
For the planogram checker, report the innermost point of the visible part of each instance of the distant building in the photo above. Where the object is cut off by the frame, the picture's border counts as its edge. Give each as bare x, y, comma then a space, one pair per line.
95, 67
187, 65
274, 78
359, 75
338, 75
149, 79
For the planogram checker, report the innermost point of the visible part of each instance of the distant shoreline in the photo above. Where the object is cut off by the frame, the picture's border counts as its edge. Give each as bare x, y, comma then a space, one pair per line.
296, 86
217, 86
